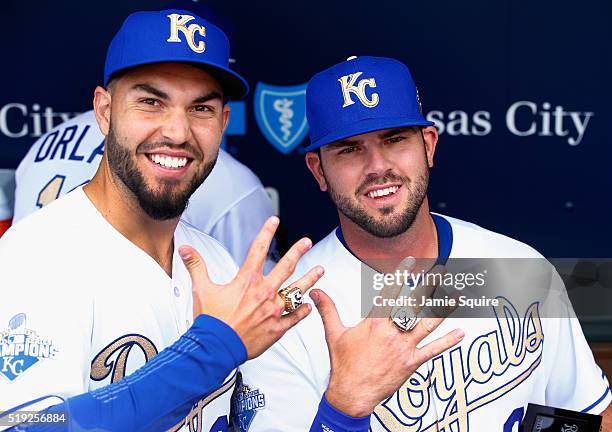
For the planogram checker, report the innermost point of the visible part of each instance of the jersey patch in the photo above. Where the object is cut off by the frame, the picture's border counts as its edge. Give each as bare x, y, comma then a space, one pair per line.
245, 403
21, 348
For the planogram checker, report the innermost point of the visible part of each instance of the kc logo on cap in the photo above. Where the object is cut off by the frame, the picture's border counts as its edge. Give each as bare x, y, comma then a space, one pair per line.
178, 23
347, 83
173, 35
361, 95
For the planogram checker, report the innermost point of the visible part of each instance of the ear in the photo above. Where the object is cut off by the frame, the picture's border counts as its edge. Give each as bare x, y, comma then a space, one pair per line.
102, 109
430, 136
226, 114
313, 162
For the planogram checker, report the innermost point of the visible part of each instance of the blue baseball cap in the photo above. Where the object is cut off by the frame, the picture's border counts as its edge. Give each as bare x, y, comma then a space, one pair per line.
173, 35
361, 95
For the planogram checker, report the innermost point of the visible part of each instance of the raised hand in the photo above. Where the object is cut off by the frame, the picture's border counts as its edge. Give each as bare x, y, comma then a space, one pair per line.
250, 303
370, 361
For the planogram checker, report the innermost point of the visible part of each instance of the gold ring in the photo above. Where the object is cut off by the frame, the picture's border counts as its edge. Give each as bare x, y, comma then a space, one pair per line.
292, 298
404, 319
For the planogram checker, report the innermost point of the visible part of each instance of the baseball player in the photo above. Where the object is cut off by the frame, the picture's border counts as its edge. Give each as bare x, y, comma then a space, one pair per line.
94, 285
372, 150
231, 206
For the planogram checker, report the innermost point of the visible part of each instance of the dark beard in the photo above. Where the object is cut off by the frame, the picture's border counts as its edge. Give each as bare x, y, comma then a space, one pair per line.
167, 203
390, 226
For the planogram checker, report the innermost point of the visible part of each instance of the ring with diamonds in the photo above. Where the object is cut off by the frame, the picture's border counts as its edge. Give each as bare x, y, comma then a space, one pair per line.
404, 319
292, 298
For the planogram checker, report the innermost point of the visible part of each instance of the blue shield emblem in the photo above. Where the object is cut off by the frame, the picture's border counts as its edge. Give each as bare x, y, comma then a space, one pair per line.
281, 115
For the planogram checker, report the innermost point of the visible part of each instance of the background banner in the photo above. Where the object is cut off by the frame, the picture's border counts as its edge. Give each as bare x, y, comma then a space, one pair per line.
518, 89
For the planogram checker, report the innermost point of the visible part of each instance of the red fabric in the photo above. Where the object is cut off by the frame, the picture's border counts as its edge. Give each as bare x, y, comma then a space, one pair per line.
4, 225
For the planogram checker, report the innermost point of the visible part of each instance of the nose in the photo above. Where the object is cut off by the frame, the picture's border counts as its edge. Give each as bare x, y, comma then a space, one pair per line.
176, 127
377, 162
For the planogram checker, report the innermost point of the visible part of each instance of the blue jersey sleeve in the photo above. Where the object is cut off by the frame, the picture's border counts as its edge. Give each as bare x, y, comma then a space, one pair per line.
159, 394
329, 419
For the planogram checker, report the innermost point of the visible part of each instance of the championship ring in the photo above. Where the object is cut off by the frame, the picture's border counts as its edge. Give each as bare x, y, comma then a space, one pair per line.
404, 318
292, 297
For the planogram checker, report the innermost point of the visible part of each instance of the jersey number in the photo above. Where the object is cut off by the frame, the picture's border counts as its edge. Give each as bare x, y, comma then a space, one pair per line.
514, 419
51, 191
221, 425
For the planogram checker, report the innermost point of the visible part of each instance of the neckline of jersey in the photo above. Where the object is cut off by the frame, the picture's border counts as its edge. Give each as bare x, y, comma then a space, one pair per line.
445, 239
117, 234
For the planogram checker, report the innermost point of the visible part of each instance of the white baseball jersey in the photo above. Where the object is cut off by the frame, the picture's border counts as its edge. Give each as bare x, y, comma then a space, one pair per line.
231, 205
82, 306
482, 384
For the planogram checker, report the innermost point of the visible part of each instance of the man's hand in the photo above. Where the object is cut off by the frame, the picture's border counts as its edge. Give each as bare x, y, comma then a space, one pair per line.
370, 361
250, 304
606, 423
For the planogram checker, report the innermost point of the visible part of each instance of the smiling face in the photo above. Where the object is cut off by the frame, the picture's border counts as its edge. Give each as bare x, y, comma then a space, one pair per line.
164, 124
377, 180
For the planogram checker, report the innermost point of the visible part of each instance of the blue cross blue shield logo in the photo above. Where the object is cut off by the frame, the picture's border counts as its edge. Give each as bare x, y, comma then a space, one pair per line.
281, 115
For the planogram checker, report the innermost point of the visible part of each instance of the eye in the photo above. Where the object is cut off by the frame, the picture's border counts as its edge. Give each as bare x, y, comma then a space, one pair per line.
395, 139
348, 150
202, 108
151, 101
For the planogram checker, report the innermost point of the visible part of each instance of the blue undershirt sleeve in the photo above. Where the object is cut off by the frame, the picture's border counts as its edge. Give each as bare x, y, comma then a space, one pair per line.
161, 393
329, 419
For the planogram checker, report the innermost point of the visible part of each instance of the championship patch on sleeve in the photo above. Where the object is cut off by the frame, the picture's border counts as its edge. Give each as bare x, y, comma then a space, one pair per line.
21, 348
245, 403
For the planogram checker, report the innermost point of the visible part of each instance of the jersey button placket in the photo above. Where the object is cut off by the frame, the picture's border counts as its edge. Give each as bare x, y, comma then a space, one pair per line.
176, 295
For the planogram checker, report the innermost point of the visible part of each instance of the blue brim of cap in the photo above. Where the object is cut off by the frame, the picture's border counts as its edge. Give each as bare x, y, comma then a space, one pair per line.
234, 86
365, 126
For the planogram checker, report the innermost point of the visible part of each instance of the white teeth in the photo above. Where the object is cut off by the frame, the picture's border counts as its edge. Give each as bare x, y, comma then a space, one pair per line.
168, 161
383, 192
